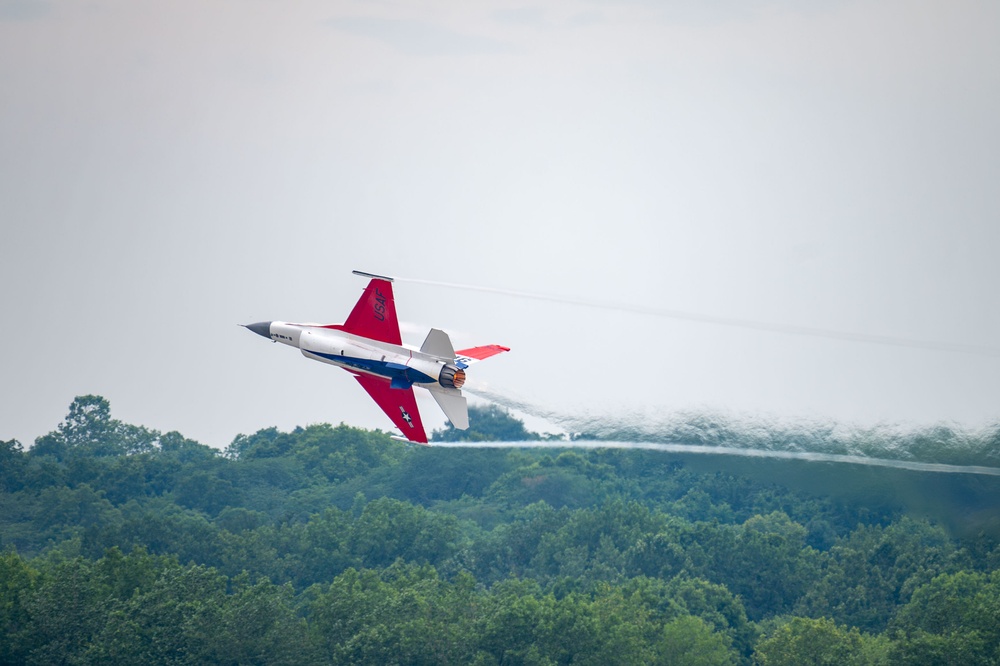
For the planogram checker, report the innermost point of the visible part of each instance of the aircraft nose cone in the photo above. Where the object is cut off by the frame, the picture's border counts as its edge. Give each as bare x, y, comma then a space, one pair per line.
261, 328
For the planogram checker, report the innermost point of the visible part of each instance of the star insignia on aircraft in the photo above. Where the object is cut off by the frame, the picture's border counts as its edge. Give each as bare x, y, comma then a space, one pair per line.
406, 417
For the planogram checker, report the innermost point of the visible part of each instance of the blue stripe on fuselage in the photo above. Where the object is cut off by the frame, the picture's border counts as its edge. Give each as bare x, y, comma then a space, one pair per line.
381, 368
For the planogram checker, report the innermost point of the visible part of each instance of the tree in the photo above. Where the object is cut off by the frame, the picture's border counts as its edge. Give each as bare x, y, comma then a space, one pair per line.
257, 624
871, 573
921, 648
766, 561
17, 581
66, 609
88, 429
403, 615
953, 614
819, 642
12, 463
487, 424
690, 641
681, 596
631, 557
389, 529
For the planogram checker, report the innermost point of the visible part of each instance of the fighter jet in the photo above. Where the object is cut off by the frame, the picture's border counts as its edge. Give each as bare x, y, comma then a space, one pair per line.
368, 345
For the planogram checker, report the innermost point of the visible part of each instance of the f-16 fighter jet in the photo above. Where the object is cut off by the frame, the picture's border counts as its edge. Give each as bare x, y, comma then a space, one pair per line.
368, 345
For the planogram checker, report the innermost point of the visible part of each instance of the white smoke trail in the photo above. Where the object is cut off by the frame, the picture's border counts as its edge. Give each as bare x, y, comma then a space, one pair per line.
789, 329
757, 437
729, 451
505, 398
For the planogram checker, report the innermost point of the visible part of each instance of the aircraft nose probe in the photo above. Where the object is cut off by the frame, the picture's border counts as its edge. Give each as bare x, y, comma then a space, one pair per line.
262, 328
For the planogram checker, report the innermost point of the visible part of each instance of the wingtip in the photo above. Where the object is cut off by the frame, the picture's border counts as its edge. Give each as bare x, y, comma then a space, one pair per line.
408, 441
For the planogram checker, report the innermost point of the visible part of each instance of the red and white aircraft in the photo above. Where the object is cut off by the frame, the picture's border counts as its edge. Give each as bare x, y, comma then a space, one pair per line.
368, 345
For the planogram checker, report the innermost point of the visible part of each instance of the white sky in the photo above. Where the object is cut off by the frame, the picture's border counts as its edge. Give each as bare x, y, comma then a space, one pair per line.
171, 169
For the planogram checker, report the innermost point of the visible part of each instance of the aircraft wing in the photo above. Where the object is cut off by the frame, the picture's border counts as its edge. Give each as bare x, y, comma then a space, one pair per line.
374, 316
400, 405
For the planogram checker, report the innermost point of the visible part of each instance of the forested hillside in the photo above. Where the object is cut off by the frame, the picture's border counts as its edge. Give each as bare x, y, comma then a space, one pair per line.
119, 544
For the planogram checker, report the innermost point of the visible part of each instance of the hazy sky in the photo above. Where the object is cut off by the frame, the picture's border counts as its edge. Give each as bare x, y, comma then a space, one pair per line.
171, 169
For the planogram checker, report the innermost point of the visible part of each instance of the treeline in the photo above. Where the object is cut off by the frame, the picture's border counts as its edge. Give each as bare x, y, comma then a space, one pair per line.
339, 545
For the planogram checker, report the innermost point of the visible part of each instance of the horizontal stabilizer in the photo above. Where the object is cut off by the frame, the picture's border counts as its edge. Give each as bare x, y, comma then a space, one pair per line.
454, 406
475, 354
438, 344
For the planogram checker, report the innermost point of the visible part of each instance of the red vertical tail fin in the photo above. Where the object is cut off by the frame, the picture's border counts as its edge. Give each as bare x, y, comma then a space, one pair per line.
374, 316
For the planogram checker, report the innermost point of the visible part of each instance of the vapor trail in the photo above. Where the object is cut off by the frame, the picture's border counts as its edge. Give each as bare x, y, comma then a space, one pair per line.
789, 329
730, 451
757, 438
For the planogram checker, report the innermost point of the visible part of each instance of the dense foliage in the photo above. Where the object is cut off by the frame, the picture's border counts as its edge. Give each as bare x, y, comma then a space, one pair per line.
119, 544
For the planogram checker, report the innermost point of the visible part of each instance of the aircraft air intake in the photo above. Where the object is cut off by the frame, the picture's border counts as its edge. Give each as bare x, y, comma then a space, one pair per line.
452, 377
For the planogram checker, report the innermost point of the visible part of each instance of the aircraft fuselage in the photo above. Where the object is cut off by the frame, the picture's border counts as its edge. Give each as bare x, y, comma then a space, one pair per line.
403, 367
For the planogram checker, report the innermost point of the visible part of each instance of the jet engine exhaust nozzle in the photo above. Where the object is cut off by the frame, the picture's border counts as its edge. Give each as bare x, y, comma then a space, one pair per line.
452, 377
